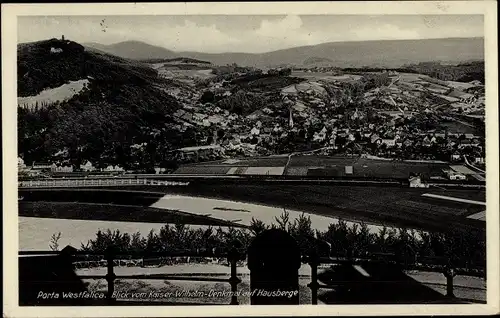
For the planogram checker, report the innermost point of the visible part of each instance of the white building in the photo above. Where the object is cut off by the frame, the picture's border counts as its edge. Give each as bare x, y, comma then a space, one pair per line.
55, 50
479, 160
452, 175
88, 166
319, 136
20, 163
159, 170
255, 131
56, 168
41, 166
267, 111
416, 182
389, 142
112, 168
348, 170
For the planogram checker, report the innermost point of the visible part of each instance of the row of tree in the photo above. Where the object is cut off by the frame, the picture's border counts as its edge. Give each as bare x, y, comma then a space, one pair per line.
464, 72
461, 248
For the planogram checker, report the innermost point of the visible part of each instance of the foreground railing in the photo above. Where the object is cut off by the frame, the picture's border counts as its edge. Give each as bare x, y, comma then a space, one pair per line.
449, 272
233, 256
72, 183
111, 258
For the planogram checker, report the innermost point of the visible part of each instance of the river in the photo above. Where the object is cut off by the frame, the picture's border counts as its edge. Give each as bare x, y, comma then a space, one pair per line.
35, 233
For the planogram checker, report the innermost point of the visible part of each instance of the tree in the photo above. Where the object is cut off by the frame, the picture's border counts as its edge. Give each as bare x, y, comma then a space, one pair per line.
207, 97
137, 243
220, 133
363, 240
285, 72
54, 241
283, 221
302, 231
337, 236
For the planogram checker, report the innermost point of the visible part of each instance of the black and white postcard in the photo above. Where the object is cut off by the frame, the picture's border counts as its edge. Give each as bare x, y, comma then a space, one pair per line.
302, 155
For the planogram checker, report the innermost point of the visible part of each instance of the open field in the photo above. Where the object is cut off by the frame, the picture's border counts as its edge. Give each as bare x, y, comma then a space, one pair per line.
366, 167
246, 162
186, 74
200, 169
51, 95
478, 216
411, 77
322, 166
326, 76
459, 85
456, 127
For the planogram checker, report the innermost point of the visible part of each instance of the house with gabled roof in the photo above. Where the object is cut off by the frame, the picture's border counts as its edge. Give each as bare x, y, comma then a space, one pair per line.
426, 142
465, 143
456, 156
375, 139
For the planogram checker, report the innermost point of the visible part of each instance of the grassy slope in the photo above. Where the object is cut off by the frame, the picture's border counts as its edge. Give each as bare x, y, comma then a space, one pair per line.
51, 95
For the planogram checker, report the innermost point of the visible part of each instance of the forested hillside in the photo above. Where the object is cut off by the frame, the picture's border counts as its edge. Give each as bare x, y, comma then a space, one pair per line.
120, 106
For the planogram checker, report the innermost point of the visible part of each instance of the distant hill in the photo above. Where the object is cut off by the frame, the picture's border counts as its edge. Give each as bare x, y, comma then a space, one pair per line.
387, 53
121, 102
134, 50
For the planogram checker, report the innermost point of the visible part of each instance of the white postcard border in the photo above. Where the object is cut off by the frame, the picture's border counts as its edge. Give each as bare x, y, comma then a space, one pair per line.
9, 160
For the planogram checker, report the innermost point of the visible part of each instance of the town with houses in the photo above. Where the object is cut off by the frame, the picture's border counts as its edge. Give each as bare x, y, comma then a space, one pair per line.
410, 117
242, 112
407, 117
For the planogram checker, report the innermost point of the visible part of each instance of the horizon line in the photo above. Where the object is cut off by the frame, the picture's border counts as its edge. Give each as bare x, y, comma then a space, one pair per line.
286, 48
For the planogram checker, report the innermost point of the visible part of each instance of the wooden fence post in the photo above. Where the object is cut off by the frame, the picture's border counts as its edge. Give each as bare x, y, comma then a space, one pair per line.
234, 280
449, 273
313, 285
110, 276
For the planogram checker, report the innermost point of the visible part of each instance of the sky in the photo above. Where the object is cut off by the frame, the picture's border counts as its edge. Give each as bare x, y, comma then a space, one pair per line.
246, 33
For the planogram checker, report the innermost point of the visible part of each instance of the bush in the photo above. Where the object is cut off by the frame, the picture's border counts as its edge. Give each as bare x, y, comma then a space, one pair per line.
207, 97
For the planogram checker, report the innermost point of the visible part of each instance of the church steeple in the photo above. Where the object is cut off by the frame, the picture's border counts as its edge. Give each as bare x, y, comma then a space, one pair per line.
290, 118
